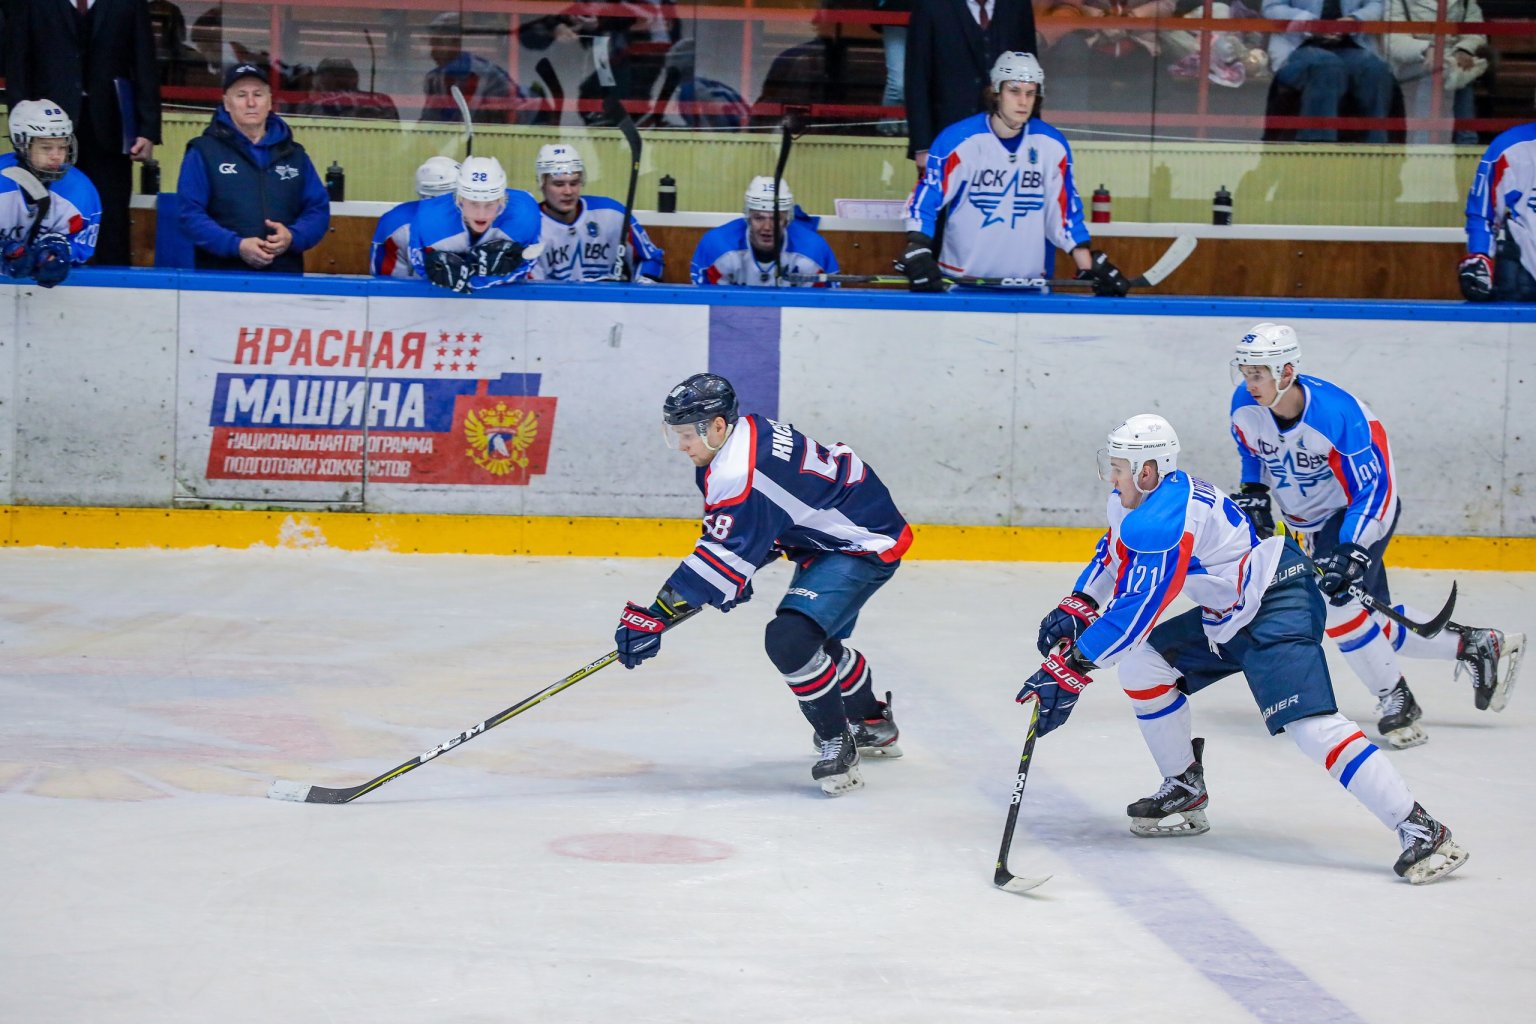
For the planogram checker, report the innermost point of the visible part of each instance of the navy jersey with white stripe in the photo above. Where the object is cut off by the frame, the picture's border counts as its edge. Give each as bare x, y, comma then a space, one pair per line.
1185, 537
772, 486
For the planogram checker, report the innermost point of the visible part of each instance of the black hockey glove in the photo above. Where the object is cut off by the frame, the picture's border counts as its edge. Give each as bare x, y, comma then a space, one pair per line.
1254, 501
1076, 612
1106, 277
50, 258
1343, 567
448, 270
922, 270
1056, 685
742, 598
496, 258
1475, 273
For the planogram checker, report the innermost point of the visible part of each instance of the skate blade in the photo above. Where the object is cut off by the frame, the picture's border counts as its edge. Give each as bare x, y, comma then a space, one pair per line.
889, 751
1437, 865
1509, 667
1191, 823
1412, 735
837, 785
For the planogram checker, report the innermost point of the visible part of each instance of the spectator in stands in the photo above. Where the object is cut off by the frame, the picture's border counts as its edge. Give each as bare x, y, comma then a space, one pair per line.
179, 61
335, 93
1500, 201
1327, 67
775, 245
701, 102
636, 41
1462, 59
250, 197
951, 47
1235, 58
487, 87
36, 244
96, 60
389, 257
1107, 69
894, 40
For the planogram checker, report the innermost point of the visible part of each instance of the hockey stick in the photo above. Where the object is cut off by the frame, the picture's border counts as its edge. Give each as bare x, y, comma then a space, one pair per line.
787, 131
1002, 878
614, 109
37, 192
1424, 629
469, 125
303, 794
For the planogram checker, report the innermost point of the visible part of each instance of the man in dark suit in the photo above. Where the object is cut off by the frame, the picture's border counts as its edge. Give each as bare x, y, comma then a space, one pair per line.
73, 52
951, 47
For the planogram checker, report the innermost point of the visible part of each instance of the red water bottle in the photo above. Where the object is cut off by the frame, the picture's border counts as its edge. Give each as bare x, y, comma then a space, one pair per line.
1101, 200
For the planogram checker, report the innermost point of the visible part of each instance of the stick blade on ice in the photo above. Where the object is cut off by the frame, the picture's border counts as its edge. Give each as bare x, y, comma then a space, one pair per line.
1018, 883
282, 789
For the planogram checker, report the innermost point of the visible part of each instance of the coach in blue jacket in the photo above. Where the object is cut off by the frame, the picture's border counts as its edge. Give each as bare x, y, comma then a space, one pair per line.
250, 197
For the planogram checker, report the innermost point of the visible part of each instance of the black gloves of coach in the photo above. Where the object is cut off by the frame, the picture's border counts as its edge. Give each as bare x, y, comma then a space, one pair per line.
448, 270
1475, 273
1343, 567
1254, 501
1106, 277
919, 264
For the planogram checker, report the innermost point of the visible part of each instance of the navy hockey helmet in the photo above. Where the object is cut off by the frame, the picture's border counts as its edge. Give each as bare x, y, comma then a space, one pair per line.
699, 399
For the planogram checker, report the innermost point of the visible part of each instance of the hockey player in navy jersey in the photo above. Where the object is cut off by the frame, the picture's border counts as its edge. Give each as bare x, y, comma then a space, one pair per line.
770, 490
44, 141
389, 257
1323, 455
775, 245
1503, 196
1002, 180
580, 232
1260, 613
480, 236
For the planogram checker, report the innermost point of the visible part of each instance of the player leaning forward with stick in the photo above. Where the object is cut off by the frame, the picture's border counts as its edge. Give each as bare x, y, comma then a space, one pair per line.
1261, 614
771, 490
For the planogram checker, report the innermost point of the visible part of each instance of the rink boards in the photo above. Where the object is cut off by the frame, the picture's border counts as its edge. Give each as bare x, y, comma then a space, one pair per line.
145, 392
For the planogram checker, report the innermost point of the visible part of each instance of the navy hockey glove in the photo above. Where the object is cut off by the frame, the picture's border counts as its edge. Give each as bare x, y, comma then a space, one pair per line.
1057, 684
50, 258
639, 634
1106, 277
922, 270
742, 598
1254, 501
1076, 612
1343, 567
16, 260
496, 258
448, 270
1475, 273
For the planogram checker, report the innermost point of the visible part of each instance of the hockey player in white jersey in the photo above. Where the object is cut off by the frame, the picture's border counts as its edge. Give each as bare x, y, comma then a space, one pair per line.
1002, 182
42, 237
774, 245
1323, 456
437, 176
771, 490
1260, 613
480, 236
1501, 221
580, 232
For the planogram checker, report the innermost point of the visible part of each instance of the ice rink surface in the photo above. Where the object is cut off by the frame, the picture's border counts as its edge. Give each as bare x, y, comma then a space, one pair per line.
648, 846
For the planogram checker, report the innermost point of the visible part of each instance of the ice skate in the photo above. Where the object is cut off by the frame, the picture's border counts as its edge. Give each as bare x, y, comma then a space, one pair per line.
1492, 658
1400, 717
838, 769
1183, 795
1429, 853
877, 736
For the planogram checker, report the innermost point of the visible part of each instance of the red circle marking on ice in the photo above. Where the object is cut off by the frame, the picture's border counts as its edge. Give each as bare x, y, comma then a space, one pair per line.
640, 848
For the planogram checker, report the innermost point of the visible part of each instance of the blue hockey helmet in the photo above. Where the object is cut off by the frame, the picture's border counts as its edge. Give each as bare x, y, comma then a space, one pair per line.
699, 399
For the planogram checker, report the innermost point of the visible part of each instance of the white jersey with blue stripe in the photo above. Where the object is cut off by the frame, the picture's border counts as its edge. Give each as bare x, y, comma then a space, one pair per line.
1335, 457
724, 255
773, 487
74, 212
439, 225
391, 240
1006, 208
1504, 193
585, 249
1185, 537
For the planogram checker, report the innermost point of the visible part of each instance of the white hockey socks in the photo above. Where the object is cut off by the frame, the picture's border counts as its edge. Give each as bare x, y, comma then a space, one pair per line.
1340, 746
1365, 647
1443, 646
1162, 709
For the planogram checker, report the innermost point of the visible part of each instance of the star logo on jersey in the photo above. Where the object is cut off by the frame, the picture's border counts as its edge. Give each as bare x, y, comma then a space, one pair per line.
286, 172
1006, 199
1303, 471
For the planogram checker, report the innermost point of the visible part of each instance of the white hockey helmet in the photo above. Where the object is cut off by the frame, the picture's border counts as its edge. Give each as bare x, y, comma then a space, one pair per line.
1014, 66
1145, 437
41, 119
482, 180
437, 175
557, 158
759, 195
1271, 345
